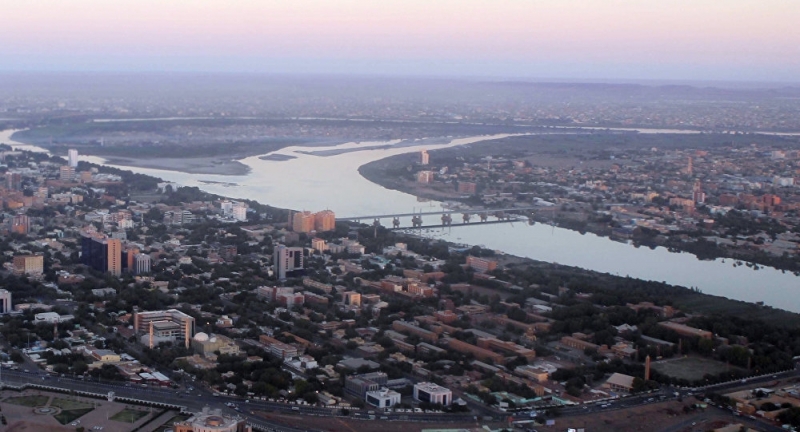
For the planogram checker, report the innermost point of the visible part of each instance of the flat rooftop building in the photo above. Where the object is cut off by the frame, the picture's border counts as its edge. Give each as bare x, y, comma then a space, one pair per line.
166, 325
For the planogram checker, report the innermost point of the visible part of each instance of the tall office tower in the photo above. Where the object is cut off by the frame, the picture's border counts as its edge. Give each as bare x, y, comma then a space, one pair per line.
689, 167
287, 259
303, 222
424, 157
5, 301
13, 181
101, 253
72, 158
21, 224
324, 221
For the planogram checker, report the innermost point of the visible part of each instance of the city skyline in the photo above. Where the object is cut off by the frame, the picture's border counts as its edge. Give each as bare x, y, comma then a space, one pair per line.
737, 40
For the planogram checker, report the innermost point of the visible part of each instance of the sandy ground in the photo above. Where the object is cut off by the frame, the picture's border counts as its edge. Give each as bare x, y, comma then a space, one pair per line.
341, 424
205, 165
666, 417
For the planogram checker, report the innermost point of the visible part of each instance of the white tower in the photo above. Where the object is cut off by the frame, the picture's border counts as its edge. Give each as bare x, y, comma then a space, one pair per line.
73, 158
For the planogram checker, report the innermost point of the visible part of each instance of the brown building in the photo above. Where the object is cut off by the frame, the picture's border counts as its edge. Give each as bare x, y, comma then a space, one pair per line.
424, 176
31, 265
21, 224
467, 188
324, 221
685, 330
481, 354
303, 222
404, 327
508, 347
481, 265
578, 344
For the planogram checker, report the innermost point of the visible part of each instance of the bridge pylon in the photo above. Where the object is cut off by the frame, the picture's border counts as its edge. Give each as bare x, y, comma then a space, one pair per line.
416, 221
465, 217
447, 220
396, 222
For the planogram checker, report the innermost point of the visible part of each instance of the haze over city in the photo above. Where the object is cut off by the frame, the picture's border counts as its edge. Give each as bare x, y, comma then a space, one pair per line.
706, 40
397, 216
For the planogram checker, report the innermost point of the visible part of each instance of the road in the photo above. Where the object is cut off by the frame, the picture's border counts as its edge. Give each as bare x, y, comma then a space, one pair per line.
197, 398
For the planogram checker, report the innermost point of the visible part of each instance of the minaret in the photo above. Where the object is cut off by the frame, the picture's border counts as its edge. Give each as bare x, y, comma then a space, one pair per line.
647, 368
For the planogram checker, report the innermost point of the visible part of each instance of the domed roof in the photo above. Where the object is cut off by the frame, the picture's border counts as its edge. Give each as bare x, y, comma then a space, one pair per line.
201, 337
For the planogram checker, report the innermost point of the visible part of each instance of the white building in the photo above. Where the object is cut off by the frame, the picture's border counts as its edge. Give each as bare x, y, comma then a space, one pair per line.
287, 259
141, 264
5, 301
72, 158
51, 318
227, 207
240, 211
432, 393
383, 398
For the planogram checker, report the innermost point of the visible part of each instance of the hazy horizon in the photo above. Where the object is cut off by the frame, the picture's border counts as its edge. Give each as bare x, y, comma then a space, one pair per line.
573, 40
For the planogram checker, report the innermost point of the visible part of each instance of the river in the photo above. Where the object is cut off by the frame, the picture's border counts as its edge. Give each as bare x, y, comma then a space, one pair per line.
313, 182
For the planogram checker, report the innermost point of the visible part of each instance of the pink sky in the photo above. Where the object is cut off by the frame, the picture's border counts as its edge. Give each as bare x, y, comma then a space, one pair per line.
683, 39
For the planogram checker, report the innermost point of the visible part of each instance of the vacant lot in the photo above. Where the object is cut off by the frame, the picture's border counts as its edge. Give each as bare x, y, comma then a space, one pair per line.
343, 424
129, 415
70, 404
667, 416
29, 401
690, 368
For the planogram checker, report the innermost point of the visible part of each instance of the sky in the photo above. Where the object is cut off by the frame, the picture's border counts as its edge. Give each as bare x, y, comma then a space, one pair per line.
714, 40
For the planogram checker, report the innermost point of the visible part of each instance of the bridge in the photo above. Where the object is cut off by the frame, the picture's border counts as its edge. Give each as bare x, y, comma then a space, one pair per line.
445, 216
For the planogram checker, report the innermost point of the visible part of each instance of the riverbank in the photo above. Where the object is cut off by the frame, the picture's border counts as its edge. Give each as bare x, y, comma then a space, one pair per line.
204, 165
550, 159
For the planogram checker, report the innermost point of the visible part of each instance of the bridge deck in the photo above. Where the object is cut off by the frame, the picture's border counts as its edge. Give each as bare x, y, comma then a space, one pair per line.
442, 212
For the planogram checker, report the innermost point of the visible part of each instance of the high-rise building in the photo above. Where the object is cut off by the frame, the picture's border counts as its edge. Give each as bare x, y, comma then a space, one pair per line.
227, 207
424, 157
31, 265
287, 260
21, 224
303, 222
13, 181
101, 253
324, 221
72, 158
5, 301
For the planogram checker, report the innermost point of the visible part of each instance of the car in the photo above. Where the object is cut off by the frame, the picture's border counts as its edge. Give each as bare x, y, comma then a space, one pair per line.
295, 408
